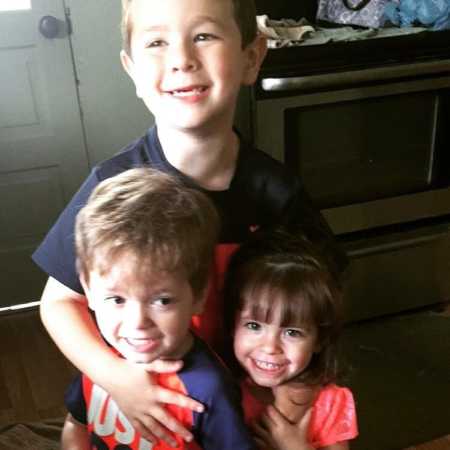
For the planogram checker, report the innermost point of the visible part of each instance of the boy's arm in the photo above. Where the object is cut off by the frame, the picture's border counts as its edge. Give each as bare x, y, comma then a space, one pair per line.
66, 317
74, 435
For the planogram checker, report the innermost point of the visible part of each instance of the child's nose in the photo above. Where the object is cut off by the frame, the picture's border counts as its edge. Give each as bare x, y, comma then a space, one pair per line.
271, 343
136, 316
182, 57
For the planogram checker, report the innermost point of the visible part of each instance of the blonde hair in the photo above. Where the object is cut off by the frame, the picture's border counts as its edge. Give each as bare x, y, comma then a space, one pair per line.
244, 14
151, 215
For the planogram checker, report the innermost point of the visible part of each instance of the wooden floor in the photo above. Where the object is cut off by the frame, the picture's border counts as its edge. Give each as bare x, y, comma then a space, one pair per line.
438, 444
33, 372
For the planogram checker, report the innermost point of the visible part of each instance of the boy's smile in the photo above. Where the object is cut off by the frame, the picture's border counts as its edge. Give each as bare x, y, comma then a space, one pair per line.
187, 61
142, 314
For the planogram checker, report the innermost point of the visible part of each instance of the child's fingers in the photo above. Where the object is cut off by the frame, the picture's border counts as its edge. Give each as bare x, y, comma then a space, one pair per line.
153, 424
157, 431
303, 424
262, 437
260, 443
163, 395
273, 417
163, 366
260, 432
157, 423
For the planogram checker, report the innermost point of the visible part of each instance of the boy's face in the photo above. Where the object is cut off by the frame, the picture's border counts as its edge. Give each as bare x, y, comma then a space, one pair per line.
270, 353
187, 62
144, 315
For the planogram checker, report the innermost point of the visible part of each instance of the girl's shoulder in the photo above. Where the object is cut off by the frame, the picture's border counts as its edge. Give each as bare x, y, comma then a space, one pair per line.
332, 394
334, 416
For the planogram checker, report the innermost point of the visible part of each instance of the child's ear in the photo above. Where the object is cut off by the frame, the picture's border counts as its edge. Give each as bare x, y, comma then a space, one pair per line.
87, 293
199, 302
128, 65
255, 53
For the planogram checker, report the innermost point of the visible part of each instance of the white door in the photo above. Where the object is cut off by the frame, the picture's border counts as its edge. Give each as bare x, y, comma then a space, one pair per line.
43, 157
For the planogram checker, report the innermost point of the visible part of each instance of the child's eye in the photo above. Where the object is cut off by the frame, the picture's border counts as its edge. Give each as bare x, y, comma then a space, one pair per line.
162, 301
254, 326
116, 300
204, 37
293, 333
155, 43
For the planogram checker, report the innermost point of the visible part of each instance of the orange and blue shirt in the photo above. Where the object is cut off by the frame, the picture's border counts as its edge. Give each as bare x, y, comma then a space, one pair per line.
203, 377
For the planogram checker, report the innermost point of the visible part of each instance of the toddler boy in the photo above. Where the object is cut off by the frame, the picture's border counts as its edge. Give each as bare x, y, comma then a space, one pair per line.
144, 246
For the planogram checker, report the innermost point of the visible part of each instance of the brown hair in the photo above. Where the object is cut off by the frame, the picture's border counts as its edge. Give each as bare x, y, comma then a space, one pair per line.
162, 223
275, 265
244, 14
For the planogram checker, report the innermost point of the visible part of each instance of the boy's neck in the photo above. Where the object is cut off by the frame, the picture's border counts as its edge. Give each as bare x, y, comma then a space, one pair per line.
181, 352
207, 158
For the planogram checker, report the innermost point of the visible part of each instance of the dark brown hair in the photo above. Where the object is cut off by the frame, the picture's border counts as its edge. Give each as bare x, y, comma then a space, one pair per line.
153, 217
244, 14
290, 270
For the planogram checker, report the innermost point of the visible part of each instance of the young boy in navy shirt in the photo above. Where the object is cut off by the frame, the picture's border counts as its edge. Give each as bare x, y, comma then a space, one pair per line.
188, 60
144, 246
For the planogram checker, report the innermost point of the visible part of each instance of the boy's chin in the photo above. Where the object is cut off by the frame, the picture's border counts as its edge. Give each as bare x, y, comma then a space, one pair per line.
139, 358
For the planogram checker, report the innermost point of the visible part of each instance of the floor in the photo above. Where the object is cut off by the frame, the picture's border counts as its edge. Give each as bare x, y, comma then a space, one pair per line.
33, 373
438, 444
398, 369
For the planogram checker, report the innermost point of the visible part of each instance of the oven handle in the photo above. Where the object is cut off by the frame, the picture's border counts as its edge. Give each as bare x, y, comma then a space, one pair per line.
401, 244
356, 76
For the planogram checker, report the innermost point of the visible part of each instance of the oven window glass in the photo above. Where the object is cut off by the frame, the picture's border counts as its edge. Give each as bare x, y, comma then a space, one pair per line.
355, 151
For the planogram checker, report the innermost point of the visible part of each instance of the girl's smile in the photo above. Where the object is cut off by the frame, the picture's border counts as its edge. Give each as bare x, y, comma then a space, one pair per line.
271, 353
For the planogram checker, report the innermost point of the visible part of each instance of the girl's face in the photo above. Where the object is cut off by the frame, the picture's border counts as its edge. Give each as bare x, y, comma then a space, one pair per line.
272, 354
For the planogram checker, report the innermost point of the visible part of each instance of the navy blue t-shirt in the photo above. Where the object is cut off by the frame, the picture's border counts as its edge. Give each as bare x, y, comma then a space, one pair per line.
262, 193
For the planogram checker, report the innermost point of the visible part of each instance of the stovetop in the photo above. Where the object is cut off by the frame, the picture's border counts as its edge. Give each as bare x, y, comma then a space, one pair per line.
354, 55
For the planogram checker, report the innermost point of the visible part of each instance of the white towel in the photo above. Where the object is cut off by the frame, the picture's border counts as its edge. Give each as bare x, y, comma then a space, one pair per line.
283, 33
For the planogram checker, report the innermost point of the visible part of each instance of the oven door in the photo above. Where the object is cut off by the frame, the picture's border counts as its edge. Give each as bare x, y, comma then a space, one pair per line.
371, 146
373, 150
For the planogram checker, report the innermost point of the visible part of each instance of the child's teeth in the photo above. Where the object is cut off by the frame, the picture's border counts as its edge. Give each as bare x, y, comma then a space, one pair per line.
267, 365
188, 92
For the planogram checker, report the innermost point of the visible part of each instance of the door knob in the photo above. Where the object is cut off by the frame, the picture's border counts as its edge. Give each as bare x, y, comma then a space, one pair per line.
49, 27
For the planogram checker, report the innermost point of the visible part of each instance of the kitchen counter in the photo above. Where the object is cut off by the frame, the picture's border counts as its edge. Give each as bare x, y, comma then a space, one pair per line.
358, 54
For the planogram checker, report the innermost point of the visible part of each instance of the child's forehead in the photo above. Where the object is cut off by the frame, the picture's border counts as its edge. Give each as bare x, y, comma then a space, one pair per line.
126, 261
146, 14
271, 305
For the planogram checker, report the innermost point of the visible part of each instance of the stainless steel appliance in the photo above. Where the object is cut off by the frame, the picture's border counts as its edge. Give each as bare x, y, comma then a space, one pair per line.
369, 134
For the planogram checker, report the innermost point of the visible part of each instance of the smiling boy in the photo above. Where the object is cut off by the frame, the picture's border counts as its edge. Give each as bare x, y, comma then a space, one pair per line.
188, 68
144, 247
188, 60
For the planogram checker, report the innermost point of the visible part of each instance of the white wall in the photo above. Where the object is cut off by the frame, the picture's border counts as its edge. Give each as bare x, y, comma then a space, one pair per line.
112, 115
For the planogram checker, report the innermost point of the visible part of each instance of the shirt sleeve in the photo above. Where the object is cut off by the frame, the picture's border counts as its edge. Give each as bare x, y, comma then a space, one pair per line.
333, 418
56, 254
222, 425
74, 400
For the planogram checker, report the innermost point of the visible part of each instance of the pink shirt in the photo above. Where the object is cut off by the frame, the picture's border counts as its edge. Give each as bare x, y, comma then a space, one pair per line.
333, 418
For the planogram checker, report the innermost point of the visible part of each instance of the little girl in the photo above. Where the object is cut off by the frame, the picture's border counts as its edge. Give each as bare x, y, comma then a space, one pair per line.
283, 307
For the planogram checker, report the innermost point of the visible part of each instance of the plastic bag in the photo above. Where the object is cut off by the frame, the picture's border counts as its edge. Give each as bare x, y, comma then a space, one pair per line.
434, 14
365, 13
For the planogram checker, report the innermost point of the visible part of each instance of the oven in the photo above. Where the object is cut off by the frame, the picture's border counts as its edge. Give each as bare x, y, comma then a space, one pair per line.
371, 143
